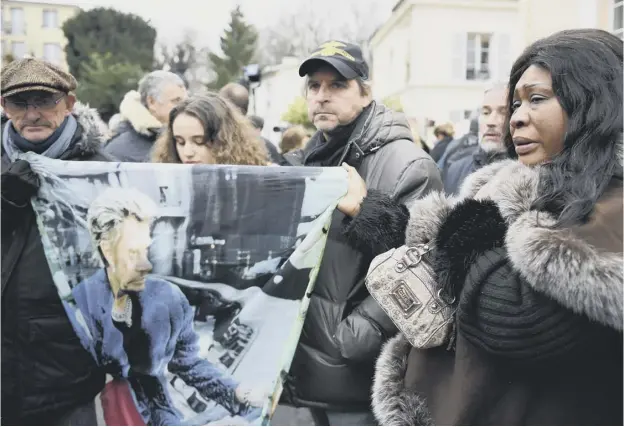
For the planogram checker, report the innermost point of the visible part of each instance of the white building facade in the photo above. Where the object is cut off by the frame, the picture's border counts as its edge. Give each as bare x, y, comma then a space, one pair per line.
280, 85
438, 56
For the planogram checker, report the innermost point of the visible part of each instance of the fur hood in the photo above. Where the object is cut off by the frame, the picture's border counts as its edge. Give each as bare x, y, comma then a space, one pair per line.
579, 267
393, 404
94, 134
132, 111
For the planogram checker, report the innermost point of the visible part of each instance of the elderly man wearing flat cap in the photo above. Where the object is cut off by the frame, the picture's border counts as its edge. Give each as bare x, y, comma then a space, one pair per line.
344, 331
47, 376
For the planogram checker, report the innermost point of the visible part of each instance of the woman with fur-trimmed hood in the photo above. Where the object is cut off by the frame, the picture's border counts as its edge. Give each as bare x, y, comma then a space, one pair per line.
531, 249
207, 129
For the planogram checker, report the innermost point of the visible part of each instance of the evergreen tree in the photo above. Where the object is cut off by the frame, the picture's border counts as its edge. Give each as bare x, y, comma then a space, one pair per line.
129, 38
238, 44
104, 82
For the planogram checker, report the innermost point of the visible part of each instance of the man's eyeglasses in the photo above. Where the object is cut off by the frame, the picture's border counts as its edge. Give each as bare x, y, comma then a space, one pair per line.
42, 103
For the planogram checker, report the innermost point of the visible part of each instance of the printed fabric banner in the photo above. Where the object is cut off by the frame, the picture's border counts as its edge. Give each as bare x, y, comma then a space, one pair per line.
187, 284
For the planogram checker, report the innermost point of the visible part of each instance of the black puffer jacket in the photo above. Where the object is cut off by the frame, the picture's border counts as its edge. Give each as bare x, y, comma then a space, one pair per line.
45, 370
456, 170
345, 328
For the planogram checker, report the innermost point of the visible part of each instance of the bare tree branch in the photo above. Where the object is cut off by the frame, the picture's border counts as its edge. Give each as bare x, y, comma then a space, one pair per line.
181, 58
300, 30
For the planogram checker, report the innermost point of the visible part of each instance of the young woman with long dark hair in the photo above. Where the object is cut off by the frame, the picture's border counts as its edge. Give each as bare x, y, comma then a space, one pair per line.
207, 129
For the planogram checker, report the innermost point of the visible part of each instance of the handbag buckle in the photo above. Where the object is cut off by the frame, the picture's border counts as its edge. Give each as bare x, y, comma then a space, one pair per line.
413, 255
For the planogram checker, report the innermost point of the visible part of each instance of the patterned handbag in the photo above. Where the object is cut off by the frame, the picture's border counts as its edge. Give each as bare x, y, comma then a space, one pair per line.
403, 283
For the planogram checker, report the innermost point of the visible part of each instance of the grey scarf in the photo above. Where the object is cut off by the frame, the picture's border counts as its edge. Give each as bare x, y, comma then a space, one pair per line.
54, 151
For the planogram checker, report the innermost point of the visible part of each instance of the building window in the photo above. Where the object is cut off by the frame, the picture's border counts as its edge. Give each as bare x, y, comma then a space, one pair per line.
50, 18
478, 56
618, 18
18, 26
52, 52
18, 49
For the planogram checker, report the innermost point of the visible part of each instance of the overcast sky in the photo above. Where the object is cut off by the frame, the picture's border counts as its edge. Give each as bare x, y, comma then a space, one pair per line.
208, 18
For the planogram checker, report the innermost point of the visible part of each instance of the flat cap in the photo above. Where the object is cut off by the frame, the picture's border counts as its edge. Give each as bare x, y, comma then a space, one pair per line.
29, 74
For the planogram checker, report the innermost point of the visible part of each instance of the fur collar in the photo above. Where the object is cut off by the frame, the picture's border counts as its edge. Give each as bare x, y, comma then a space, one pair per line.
94, 131
393, 404
138, 115
565, 264
562, 264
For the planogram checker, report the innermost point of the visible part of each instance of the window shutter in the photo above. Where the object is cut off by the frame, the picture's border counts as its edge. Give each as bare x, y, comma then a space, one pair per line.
17, 21
459, 56
504, 56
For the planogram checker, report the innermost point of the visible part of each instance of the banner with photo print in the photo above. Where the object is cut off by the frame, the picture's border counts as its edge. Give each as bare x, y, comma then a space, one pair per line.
187, 284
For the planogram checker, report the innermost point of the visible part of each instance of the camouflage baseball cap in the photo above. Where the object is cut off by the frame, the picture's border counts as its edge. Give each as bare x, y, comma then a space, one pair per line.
29, 74
346, 58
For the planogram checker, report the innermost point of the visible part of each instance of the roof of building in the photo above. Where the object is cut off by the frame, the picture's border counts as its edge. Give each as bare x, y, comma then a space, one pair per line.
65, 3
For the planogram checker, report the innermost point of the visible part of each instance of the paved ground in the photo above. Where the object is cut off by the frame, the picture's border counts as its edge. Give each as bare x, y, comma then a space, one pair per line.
288, 416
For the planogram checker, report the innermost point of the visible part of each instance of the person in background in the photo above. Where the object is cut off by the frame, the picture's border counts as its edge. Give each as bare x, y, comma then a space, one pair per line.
344, 329
294, 138
48, 378
207, 129
461, 147
143, 114
258, 124
490, 147
238, 95
444, 135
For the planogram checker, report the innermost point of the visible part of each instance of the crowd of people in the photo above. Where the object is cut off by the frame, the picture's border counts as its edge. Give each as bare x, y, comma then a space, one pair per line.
524, 213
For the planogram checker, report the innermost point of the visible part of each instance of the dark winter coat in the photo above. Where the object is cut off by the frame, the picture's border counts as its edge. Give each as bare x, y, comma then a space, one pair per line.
274, 154
45, 369
440, 147
459, 148
134, 136
345, 328
456, 170
539, 320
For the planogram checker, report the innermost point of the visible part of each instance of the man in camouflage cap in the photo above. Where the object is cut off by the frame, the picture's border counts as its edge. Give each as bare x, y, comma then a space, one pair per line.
47, 377
345, 329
